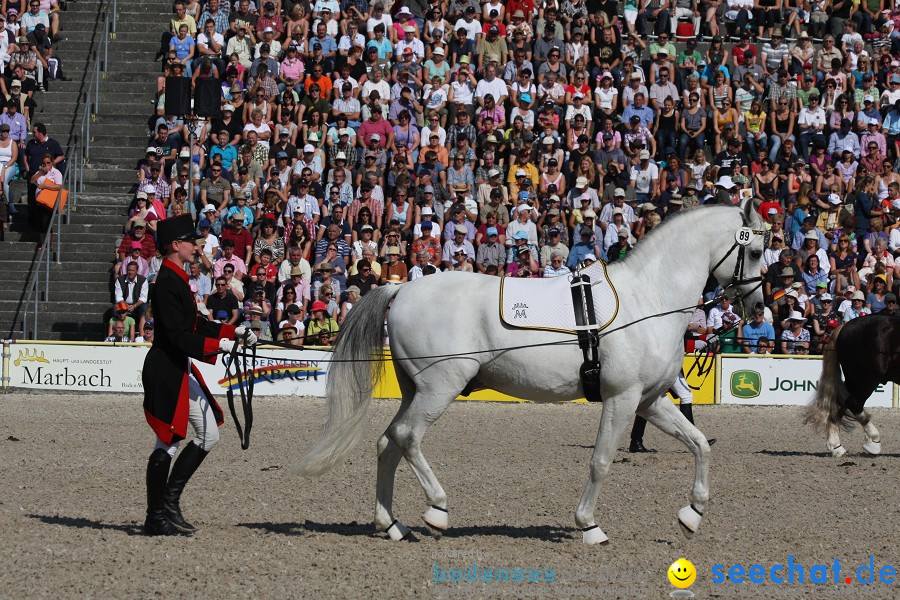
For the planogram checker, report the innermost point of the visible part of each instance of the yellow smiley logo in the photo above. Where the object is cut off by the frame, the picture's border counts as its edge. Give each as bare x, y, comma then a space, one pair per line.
682, 573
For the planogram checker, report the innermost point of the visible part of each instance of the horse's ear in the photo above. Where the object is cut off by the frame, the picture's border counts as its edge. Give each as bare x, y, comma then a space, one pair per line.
749, 206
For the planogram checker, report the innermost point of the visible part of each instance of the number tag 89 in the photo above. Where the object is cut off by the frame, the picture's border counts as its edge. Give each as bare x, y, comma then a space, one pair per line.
743, 236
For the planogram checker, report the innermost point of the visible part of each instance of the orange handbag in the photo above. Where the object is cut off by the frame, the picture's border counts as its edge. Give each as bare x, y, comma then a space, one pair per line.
47, 198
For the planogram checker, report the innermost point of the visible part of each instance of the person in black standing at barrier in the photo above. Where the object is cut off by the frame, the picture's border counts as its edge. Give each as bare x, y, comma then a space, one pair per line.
39, 145
174, 391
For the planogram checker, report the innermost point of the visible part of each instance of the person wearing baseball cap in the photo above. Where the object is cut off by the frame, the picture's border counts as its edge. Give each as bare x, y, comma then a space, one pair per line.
645, 178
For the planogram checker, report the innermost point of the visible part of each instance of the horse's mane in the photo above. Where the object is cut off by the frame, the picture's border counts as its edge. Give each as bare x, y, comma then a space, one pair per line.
641, 248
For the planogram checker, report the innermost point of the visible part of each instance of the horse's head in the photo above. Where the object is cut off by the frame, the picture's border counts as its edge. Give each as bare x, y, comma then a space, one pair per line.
743, 279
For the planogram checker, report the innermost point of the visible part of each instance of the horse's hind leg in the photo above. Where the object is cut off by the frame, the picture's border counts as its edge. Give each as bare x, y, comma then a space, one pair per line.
618, 412
669, 419
431, 399
833, 441
389, 456
873, 437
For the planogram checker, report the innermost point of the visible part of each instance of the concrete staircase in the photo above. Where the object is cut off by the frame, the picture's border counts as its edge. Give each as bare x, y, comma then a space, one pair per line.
81, 283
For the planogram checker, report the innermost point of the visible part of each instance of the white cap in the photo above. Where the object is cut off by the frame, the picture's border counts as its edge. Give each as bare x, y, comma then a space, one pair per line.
581, 182
427, 210
150, 189
644, 155
773, 211
227, 108
208, 208
834, 199
590, 256
795, 316
340, 156
521, 172
438, 51
825, 296
375, 137
309, 148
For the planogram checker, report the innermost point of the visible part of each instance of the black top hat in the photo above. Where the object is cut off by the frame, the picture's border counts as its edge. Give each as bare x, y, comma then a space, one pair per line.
175, 229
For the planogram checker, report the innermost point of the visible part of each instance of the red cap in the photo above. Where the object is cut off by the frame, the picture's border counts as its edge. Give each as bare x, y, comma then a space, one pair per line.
318, 305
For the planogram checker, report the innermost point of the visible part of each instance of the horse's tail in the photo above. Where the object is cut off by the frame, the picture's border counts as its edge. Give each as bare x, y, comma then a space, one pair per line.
350, 381
827, 405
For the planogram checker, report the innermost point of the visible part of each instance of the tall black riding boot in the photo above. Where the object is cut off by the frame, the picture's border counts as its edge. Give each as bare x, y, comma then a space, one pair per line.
637, 436
157, 473
687, 411
188, 461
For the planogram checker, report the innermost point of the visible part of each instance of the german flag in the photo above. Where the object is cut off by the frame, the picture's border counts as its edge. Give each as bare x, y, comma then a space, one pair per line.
779, 294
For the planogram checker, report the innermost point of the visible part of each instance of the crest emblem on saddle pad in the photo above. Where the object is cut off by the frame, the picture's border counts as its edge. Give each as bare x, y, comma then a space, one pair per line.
745, 384
546, 303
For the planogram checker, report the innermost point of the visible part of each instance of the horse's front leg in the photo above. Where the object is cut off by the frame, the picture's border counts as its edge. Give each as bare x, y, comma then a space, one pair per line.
669, 419
618, 412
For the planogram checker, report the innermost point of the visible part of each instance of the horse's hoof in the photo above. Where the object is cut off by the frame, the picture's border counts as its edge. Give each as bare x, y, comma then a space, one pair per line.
593, 536
689, 519
398, 531
873, 448
838, 452
437, 519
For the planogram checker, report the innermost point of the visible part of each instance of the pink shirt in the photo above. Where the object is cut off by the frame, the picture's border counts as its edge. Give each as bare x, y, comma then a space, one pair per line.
382, 128
292, 70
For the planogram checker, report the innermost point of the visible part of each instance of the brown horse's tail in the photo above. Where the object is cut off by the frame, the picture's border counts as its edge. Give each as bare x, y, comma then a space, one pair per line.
827, 405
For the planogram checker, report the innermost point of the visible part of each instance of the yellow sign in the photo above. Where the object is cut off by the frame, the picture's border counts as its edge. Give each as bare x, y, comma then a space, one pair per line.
703, 385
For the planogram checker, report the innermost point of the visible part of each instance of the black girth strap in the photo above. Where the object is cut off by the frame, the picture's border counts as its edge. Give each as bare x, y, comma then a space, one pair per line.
588, 338
240, 371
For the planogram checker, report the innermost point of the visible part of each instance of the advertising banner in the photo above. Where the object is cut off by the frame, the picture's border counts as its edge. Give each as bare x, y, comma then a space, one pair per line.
779, 381
112, 368
119, 368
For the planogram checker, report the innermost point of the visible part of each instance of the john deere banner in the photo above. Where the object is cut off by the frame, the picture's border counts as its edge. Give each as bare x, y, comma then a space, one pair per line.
778, 380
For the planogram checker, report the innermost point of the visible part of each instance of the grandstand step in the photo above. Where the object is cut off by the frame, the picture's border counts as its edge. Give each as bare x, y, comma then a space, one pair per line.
71, 299
128, 100
125, 139
123, 153
124, 175
81, 25
99, 288
117, 45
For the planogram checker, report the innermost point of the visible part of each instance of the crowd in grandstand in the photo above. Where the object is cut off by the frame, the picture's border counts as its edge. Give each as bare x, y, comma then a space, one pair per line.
28, 62
371, 143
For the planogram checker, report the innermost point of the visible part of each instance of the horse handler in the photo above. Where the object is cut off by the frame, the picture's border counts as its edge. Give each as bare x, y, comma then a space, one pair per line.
174, 391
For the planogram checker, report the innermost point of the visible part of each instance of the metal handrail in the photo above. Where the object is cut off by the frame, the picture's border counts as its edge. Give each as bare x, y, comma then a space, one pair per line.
77, 155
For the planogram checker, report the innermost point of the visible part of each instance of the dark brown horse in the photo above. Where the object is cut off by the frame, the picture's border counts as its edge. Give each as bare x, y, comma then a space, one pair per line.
859, 357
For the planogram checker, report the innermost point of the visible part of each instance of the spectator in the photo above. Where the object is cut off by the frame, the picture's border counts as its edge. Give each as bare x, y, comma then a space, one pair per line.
223, 305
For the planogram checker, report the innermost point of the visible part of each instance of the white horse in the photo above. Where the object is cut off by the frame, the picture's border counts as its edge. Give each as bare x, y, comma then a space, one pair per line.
446, 337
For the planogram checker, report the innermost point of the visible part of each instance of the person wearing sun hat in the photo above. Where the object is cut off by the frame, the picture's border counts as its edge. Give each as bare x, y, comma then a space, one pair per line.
174, 391
321, 328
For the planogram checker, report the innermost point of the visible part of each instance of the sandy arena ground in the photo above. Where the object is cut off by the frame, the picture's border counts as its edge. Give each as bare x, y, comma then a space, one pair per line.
73, 502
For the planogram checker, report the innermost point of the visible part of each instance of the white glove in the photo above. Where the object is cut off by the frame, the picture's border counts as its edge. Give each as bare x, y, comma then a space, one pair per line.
250, 340
226, 345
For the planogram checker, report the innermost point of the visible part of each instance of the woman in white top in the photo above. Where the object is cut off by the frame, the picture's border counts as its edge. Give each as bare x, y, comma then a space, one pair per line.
606, 97
9, 152
262, 129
